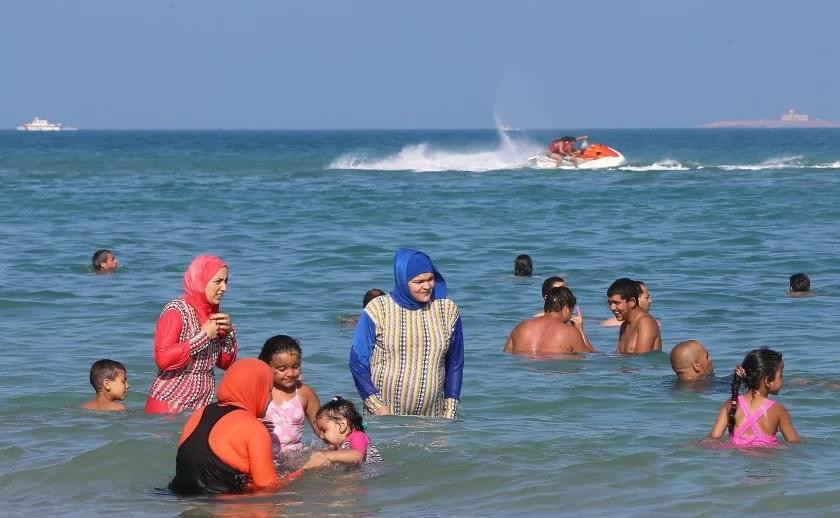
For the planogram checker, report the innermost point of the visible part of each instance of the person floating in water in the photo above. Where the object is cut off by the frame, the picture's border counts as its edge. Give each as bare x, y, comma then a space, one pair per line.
104, 261
751, 418
691, 361
110, 381
523, 266
564, 149
800, 285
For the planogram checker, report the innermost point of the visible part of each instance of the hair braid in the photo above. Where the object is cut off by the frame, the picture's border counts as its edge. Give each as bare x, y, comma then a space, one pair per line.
733, 407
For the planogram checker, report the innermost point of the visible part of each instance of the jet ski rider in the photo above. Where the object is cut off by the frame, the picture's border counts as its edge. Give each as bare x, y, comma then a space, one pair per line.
564, 149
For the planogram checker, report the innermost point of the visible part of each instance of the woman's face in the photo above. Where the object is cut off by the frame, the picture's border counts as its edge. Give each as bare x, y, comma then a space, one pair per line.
421, 287
216, 288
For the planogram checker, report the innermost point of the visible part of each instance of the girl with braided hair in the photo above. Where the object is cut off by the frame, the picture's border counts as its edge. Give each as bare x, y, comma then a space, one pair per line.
751, 418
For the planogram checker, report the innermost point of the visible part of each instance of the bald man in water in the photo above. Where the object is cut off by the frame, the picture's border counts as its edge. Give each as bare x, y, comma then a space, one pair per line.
691, 361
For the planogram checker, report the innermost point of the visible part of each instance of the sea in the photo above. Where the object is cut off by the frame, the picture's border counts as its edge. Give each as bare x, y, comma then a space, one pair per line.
714, 221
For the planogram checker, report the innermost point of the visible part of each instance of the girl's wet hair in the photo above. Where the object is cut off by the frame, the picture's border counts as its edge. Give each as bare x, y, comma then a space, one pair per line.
758, 364
279, 344
339, 407
523, 266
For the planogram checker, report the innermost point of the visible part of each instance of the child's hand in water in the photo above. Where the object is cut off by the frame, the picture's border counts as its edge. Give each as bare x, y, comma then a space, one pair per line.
317, 460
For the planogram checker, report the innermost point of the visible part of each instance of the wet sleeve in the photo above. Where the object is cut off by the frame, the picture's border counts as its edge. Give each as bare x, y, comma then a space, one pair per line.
229, 349
260, 462
363, 341
358, 441
454, 368
170, 354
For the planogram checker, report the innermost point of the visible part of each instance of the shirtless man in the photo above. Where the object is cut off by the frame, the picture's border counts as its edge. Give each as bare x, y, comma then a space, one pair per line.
551, 333
691, 361
639, 331
645, 302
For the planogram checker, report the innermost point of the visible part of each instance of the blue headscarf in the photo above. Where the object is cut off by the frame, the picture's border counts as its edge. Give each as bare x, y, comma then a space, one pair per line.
408, 264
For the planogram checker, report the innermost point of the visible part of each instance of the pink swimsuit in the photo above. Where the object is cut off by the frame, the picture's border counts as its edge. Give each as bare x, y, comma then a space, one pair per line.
758, 437
288, 419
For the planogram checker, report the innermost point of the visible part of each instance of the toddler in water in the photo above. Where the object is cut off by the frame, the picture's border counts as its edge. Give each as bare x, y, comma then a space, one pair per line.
341, 427
292, 402
110, 381
752, 418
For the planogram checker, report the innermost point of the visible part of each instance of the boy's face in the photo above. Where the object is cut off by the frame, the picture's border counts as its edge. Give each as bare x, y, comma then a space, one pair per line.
118, 387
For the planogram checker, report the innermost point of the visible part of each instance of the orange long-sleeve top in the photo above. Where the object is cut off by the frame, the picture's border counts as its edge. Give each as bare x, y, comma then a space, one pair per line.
242, 442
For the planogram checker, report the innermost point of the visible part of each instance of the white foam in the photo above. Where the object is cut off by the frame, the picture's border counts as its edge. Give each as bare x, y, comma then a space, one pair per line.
662, 165
423, 157
788, 162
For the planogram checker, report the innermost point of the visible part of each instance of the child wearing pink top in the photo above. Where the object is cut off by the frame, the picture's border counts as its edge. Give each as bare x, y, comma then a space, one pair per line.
752, 419
292, 402
341, 427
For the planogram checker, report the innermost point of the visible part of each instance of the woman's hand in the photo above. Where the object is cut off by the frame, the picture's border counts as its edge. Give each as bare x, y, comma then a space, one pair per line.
383, 410
211, 328
223, 320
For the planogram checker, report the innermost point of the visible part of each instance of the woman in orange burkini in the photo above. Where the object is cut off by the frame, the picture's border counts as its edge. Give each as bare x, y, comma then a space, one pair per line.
224, 446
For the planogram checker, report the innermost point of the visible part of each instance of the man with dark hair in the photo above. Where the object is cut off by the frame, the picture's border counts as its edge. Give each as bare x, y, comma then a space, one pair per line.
104, 261
800, 285
639, 331
555, 332
548, 285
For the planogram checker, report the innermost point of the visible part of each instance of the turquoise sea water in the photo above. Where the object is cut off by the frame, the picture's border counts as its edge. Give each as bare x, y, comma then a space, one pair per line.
713, 221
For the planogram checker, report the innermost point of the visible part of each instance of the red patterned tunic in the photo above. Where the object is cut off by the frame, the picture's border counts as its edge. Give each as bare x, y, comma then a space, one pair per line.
186, 357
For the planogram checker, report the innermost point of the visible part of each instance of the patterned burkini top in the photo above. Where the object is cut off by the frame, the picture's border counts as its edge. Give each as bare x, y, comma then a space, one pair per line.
194, 385
407, 363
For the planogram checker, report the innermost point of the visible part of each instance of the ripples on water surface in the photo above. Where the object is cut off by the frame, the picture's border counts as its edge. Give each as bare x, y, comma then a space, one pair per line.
713, 221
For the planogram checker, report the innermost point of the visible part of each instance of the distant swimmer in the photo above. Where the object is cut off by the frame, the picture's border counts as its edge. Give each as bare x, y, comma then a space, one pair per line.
104, 261
645, 302
110, 381
564, 149
555, 332
523, 266
639, 331
691, 361
800, 286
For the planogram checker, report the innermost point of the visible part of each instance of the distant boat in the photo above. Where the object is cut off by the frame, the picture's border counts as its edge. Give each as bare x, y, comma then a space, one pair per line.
39, 124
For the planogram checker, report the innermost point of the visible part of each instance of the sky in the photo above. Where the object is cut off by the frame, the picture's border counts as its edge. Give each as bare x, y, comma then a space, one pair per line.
324, 64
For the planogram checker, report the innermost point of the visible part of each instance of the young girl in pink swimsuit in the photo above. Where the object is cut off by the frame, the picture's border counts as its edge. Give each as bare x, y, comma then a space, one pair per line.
751, 418
292, 402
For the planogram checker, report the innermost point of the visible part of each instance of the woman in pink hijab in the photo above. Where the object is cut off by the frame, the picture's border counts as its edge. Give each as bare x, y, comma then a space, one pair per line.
192, 337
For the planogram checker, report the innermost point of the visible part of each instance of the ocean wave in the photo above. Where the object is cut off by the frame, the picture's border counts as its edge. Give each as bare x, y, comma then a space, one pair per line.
662, 165
788, 162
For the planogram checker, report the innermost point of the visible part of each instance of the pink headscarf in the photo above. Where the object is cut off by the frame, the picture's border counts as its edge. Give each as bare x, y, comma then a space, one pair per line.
201, 271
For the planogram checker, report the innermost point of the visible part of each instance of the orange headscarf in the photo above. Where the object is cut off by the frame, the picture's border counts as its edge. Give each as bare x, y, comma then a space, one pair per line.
200, 272
247, 384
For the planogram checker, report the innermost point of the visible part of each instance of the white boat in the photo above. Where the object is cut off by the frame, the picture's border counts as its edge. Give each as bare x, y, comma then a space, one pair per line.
39, 124
596, 156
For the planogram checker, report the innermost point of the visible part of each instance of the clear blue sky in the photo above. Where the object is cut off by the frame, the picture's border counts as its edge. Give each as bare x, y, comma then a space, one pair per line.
430, 64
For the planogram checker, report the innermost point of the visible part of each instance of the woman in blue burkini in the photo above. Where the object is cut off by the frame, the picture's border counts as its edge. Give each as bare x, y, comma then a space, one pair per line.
407, 356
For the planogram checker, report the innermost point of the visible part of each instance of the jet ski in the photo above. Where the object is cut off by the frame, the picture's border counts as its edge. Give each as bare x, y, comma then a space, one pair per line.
594, 156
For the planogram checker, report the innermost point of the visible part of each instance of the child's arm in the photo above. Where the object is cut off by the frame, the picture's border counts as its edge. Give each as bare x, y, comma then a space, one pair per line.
786, 425
721, 422
323, 459
311, 404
